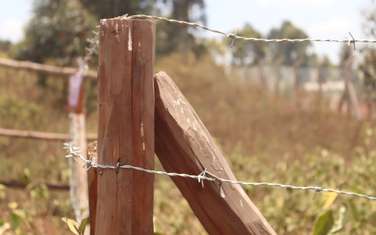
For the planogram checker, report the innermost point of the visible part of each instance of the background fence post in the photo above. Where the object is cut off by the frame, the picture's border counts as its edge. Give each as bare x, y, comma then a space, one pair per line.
78, 178
126, 127
349, 96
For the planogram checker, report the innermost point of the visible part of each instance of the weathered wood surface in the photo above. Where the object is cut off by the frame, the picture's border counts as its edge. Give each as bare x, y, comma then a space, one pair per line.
126, 127
78, 180
38, 135
43, 68
349, 99
184, 145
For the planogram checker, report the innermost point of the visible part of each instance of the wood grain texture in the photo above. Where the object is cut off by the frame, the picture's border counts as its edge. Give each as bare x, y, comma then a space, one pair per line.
78, 180
126, 127
184, 145
92, 184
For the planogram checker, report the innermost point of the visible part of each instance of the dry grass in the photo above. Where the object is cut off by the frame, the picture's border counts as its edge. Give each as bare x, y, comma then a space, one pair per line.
265, 138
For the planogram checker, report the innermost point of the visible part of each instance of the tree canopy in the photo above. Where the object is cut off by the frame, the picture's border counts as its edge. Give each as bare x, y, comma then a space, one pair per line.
288, 53
176, 37
368, 64
59, 29
248, 53
245, 53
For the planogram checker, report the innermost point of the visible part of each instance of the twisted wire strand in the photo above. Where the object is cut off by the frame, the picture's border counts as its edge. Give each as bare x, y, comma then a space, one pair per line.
93, 41
73, 152
233, 36
93, 44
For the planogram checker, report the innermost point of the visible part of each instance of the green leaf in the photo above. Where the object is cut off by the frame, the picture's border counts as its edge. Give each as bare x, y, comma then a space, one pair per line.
4, 227
83, 225
340, 222
324, 223
39, 192
26, 176
72, 225
15, 220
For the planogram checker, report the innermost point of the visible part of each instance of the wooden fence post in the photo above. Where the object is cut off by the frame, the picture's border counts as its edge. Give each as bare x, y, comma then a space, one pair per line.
78, 178
39, 135
184, 145
126, 127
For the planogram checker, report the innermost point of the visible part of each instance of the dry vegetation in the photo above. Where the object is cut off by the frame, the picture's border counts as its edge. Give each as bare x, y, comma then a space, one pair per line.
264, 137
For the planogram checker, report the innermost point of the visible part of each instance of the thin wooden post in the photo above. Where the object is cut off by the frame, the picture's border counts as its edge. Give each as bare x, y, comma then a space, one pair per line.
92, 183
78, 174
353, 98
297, 84
15, 184
184, 145
43, 68
126, 127
349, 96
38, 135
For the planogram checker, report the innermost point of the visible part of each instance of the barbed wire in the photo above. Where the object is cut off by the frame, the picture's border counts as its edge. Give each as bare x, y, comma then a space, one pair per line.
93, 45
232, 36
93, 42
74, 152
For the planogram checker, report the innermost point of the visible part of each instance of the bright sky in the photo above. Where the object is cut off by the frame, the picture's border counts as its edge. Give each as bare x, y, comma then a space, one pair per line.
319, 18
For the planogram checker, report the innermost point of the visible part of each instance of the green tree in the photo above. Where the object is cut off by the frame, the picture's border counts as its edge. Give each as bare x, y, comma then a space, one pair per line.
171, 37
288, 53
345, 54
368, 70
247, 53
57, 31
368, 64
323, 66
111, 8
176, 37
5, 46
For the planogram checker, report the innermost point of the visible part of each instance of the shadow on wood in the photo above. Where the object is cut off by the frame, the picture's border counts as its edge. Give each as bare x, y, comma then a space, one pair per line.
184, 145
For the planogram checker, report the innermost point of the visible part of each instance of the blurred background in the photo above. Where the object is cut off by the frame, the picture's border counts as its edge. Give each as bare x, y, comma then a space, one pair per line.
292, 113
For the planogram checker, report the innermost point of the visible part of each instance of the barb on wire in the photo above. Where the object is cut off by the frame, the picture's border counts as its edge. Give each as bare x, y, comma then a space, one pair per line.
74, 152
92, 48
232, 36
